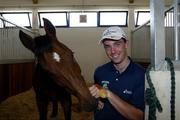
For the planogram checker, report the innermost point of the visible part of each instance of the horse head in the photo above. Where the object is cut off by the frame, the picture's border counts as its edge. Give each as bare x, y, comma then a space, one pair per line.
58, 60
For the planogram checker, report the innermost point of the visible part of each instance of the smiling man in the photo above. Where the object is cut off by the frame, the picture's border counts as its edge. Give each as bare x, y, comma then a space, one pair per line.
119, 84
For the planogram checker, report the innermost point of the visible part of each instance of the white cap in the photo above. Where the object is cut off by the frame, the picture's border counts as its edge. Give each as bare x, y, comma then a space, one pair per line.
114, 33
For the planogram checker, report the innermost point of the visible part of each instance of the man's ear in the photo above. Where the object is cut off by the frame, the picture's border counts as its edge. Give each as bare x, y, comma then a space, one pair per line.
49, 28
26, 40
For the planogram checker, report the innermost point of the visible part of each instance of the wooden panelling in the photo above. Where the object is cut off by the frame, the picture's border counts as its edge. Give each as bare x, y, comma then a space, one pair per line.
4, 82
15, 78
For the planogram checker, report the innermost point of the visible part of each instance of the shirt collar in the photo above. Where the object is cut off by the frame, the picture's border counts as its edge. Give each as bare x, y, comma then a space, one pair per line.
112, 68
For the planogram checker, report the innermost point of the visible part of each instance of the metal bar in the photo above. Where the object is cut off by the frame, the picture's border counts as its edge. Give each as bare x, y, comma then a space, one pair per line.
176, 30
21, 27
157, 32
139, 27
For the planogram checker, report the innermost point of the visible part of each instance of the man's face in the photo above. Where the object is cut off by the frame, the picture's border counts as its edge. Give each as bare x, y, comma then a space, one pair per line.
116, 50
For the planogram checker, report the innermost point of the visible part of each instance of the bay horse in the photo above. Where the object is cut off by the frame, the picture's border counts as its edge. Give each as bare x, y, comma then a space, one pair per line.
57, 74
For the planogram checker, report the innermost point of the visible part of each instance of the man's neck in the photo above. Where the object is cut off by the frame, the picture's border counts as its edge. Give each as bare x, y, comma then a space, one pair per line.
122, 66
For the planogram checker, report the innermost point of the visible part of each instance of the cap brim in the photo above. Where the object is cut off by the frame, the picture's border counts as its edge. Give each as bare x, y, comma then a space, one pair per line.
103, 38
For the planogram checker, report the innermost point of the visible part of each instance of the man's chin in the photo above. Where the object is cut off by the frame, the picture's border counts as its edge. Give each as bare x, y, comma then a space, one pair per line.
116, 62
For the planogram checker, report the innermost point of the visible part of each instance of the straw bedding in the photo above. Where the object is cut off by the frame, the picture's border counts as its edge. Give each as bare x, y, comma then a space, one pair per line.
23, 107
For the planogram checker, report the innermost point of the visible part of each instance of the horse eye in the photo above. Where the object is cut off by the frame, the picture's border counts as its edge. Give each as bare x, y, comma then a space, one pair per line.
56, 56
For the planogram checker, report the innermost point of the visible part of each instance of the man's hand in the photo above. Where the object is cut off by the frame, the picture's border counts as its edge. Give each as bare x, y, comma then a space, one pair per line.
100, 105
98, 91
94, 91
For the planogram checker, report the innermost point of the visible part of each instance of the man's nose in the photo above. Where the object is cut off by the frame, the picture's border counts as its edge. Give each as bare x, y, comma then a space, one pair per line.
113, 49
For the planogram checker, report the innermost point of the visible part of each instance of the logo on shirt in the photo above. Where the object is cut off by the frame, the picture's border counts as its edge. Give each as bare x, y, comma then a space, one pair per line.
105, 84
127, 92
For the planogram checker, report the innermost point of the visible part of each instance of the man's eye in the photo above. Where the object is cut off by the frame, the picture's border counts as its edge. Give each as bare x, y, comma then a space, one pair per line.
119, 43
107, 47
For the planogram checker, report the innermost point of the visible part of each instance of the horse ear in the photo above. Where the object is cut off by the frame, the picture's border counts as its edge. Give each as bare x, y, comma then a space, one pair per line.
49, 27
26, 40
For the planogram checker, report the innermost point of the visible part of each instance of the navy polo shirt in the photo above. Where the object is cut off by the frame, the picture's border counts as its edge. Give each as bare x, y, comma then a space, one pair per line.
128, 85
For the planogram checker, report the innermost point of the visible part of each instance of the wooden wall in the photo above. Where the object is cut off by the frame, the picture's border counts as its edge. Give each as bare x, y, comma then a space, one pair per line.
15, 78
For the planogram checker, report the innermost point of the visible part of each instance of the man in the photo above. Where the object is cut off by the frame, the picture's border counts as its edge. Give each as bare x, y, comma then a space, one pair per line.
119, 84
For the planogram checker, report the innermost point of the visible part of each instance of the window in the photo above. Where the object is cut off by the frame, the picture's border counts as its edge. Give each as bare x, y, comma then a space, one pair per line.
18, 18
141, 17
57, 18
83, 19
1, 23
109, 18
169, 18
67, 18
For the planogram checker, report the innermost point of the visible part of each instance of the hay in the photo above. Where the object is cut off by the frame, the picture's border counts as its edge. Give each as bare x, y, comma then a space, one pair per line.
23, 107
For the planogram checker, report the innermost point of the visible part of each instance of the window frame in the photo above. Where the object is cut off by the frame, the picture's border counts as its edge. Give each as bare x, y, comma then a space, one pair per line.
123, 11
82, 13
40, 22
137, 17
26, 13
67, 19
1, 22
169, 22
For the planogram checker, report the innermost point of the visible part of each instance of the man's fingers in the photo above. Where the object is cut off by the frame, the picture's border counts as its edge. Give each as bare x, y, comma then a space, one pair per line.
100, 105
94, 91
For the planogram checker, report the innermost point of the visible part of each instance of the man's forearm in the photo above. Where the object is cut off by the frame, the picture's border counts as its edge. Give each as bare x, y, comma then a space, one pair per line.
127, 110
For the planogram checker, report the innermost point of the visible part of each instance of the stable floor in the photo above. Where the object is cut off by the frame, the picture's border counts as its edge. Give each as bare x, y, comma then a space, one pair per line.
23, 107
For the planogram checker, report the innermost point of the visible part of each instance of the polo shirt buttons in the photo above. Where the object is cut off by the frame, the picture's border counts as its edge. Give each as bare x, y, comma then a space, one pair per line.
117, 72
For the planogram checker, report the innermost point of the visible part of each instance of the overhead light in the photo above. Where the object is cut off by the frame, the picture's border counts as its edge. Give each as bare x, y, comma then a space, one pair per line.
131, 1
35, 1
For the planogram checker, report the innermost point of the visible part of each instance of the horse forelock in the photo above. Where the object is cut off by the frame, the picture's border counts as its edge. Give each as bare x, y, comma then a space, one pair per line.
42, 44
